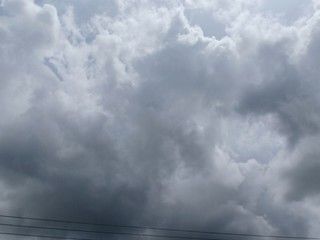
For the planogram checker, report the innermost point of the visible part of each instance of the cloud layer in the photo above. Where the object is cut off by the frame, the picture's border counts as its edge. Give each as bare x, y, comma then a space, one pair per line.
185, 114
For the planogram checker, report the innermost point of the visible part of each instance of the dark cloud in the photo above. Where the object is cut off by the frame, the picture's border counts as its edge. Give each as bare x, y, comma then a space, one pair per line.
285, 92
304, 178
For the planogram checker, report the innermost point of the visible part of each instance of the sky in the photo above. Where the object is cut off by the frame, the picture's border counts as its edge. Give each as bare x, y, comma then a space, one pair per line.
187, 114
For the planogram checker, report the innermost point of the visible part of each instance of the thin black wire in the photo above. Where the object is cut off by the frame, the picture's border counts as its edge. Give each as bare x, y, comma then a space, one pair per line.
113, 233
161, 229
99, 232
42, 236
103, 232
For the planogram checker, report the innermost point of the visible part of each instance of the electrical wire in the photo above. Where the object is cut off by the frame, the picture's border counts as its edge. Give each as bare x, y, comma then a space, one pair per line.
111, 233
155, 228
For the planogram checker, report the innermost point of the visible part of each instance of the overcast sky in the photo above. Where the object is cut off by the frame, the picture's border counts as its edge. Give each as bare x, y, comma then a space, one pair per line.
192, 114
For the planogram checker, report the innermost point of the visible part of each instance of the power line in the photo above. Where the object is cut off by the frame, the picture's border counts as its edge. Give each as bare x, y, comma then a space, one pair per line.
104, 232
113, 233
159, 229
42, 236
109, 232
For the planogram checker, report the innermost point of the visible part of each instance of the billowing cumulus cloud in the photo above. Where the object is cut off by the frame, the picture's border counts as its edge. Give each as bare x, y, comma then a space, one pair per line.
185, 114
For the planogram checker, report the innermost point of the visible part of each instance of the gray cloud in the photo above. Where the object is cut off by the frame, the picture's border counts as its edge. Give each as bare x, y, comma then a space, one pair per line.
133, 114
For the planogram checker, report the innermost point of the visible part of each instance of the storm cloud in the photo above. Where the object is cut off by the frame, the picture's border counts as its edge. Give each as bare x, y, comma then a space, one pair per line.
174, 114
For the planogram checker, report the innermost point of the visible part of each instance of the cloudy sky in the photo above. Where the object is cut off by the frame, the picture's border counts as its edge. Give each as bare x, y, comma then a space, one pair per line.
190, 114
